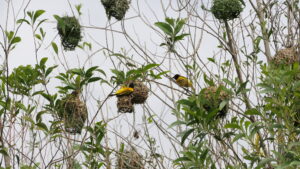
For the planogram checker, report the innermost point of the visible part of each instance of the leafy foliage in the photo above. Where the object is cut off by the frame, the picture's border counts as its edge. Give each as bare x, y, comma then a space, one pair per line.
172, 28
121, 77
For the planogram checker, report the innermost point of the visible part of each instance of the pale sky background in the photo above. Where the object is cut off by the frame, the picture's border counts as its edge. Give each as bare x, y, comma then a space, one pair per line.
93, 15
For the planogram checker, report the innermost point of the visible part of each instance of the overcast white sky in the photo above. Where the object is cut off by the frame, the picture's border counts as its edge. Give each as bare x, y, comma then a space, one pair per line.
93, 15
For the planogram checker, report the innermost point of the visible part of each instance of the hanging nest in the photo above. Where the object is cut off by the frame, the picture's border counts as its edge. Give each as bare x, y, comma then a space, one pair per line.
69, 31
226, 9
129, 159
124, 104
73, 112
214, 96
140, 92
287, 56
116, 8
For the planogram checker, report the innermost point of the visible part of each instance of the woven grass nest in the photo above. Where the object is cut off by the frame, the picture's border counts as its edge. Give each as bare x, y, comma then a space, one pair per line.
73, 112
69, 31
287, 56
129, 159
116, 8
124, 104
214, 96
140, 92
226, 9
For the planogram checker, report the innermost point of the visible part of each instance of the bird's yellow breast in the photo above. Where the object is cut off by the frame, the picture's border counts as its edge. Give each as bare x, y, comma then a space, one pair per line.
124, 91
183, 82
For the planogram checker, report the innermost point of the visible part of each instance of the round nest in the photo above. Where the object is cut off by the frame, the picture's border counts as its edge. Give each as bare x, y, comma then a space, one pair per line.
116, 8
286, 56
69, 31
73, 112
214, 96
124, 104
226, 9
140, 93
129, 159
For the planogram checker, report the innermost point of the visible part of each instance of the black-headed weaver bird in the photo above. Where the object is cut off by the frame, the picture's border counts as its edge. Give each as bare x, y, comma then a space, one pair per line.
183, 81
124, 90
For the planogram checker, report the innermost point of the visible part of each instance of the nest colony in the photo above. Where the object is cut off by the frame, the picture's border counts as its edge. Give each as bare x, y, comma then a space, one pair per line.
130, 159
138, 96
226, 9
286, 56
69, 31
73, 112
116, 8
214, 96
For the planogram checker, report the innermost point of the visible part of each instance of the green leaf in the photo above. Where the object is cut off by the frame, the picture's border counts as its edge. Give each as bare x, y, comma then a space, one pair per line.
229, 82
94, 79
76, 71
3, 152
15, 40
149, 66
177, 123
237, 137
37, 14
232, 125
212, 60
57, 18
42, 126
91, 69
180, 37
101, 71
204, 154
78, 8
39, 115
55, 48
38, 36
186, 135
263, 162
242, 87
252, 111
30, 14
22, 20
179, 26
223, 104
170, 21
166, 28
42, 21
182, 159
43, 61
9, 35
163, 44
49, 70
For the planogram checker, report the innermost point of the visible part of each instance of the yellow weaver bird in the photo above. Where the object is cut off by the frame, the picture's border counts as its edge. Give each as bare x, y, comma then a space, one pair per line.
183, 81
124, 90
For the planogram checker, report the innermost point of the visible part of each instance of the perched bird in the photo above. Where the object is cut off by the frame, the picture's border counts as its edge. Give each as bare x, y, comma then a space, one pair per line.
124, 90
183, 81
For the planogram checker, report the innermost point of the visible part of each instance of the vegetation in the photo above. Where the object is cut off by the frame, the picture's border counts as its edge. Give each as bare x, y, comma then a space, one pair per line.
242, 111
